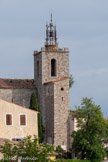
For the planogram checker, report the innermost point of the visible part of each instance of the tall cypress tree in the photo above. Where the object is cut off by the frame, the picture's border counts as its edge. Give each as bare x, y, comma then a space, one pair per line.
35, 106
34, 103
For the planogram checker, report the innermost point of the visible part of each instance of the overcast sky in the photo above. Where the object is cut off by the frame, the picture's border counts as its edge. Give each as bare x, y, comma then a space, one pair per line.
82, 26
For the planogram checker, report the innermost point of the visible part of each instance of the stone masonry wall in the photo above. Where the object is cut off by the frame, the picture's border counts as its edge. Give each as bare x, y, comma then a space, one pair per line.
6, 94
49, 113
55, 106
40, 89
18, 96
61, 113
62, 64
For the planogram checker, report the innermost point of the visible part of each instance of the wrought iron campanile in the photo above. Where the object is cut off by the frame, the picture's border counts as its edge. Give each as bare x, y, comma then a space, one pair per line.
51, 38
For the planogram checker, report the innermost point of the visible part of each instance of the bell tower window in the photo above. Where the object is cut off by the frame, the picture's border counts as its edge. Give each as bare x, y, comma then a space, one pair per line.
53, 67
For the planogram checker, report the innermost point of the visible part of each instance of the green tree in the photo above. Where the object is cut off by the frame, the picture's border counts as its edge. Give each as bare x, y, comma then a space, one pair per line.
29, 150
107, 151
34, 103
92, 131
71, 81
59, 152
7, 150
35, 106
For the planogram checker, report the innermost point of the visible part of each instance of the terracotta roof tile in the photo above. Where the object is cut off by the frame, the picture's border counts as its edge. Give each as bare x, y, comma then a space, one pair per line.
57, 80
17, 83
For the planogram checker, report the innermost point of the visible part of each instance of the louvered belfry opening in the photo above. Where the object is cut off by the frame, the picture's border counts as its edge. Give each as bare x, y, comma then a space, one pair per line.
8, 119
22, 120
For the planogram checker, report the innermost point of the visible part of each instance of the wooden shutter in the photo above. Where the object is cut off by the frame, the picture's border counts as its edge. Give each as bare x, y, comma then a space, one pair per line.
22, 120
8, 119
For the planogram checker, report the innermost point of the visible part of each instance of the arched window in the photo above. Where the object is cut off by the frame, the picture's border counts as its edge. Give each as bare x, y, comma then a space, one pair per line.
37, 69
53, 67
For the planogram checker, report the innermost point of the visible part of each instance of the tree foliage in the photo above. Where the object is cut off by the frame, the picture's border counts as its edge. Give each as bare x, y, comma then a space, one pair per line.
34, 103
8, 151
88, 140
35, 106
59, 152
71, 160
71, 81
28, 150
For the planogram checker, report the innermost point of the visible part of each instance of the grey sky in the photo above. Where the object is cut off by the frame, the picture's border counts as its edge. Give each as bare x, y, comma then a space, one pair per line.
82, 26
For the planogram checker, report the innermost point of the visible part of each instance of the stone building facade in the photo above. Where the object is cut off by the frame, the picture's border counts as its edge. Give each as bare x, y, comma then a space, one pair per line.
17, 122
53, 94
51, 85
17, 91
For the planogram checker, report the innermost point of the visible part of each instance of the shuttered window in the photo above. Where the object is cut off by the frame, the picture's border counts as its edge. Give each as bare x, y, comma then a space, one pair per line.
8, 119
22, 119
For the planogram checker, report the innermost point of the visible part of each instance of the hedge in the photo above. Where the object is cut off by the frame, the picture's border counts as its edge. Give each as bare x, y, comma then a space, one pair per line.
71, 160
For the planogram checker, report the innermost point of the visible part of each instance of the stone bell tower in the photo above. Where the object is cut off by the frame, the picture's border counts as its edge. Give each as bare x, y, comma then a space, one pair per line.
51, 75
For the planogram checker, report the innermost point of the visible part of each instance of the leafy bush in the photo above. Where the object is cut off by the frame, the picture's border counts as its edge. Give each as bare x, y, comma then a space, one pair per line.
27, 149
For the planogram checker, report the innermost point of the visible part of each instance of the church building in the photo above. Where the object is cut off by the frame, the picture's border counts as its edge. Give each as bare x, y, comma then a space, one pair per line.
51, 85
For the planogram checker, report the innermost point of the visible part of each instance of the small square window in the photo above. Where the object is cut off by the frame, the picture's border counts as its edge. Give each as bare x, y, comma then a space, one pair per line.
22, 119
8, 119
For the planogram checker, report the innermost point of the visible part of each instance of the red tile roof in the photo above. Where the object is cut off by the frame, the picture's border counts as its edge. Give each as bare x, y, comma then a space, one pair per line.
57, 80
17, 83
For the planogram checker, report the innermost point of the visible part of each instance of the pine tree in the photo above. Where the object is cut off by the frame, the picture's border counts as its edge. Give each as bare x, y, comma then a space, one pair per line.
35, 106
